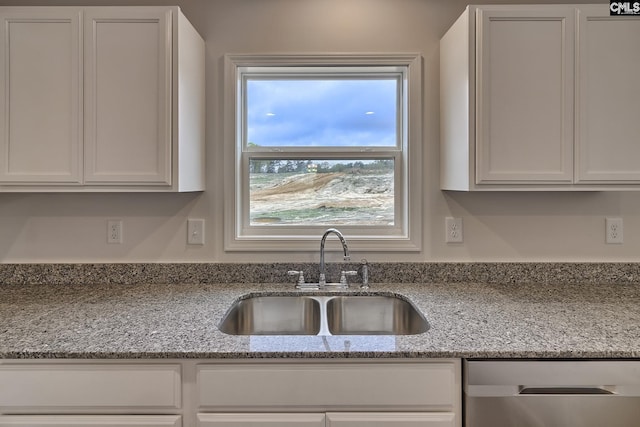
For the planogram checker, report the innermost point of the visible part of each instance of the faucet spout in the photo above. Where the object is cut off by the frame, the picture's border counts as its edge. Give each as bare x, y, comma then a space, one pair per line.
323, 281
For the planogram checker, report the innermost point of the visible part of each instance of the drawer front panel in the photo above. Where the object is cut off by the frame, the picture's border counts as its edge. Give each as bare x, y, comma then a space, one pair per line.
91, 385
90, 420
391, 419
261, 420
405, 386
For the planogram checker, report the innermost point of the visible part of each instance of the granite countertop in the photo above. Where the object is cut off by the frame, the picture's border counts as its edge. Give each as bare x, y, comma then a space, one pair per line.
469, 320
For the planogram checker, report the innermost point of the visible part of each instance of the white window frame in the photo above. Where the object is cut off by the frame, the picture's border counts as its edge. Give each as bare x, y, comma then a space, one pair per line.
404, 235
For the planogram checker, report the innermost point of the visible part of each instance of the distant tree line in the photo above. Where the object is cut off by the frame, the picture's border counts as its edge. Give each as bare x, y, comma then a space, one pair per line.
309, 166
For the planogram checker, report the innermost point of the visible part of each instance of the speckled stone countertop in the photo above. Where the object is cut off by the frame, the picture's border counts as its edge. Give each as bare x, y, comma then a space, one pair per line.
470, 320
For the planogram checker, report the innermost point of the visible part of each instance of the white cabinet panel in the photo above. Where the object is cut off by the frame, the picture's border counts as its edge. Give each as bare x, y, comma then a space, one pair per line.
608, 97
261, 420
540, 97
128, 95
33, 387
269, 393
40, 89
101, 99
525, 95
335, 419
406, 386
390, 419
90, 420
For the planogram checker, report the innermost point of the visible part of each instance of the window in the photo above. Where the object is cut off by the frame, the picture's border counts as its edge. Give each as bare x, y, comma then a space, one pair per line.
322, 141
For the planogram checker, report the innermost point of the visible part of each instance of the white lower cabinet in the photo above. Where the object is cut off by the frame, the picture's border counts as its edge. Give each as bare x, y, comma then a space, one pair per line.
231, 393
97, 394
390, 419
53, 387
306, 393
261, 420
90, 420
331, 419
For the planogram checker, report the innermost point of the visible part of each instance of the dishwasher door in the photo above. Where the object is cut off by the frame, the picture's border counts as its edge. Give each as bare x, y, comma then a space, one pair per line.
552, 393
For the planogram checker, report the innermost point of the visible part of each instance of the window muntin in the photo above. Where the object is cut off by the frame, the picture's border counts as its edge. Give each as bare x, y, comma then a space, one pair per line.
403, 232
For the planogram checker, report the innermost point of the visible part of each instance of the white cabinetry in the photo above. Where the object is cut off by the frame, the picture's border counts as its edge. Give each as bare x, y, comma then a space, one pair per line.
338, 394
40, 96
331, 419
90, 394
127, 95
261, 420
234, 393
397, 419
608, 97
516, 79
524, 95
90, 420
129, 116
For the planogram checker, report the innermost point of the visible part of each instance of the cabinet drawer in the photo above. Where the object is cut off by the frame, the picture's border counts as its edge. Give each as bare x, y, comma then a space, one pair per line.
261, 420
36, 386
391, 419
406, 386
90, 420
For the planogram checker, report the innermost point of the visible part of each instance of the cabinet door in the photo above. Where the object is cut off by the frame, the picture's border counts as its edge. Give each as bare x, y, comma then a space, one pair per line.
390, 419
608, 140
260, 420
90, 420
128, 95
40, 96
524, 105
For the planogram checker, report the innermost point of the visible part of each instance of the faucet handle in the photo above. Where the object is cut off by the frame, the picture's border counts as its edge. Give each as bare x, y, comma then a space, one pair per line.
300, 275
364, 271
343, 277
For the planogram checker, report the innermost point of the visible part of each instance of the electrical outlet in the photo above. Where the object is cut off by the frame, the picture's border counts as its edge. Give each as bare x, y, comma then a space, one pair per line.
114, 231
195, 231
453, 230
614, 230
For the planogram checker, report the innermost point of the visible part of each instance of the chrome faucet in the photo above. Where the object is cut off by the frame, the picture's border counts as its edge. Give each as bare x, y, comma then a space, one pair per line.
322, 281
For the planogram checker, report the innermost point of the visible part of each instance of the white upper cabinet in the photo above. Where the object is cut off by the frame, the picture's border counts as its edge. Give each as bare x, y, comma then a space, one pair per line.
137, 74
608, 97
127, 96
515, 80
524, 93
40, 96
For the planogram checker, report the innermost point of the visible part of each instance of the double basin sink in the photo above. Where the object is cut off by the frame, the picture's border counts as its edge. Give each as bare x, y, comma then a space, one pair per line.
323, 315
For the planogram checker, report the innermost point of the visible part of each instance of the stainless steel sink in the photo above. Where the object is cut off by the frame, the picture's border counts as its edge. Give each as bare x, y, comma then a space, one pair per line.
323, 315
373, 315
273, 315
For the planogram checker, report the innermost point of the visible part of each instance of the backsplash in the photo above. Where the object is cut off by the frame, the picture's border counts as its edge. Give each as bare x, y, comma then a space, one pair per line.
150, 273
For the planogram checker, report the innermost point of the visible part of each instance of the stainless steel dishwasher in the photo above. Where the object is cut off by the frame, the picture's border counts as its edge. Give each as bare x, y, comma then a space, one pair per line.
552, 393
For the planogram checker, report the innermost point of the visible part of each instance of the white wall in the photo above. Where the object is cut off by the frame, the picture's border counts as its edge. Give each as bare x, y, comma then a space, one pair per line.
497, 227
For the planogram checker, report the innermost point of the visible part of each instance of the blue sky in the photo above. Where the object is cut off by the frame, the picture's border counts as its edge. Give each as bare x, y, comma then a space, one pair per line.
321, 112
